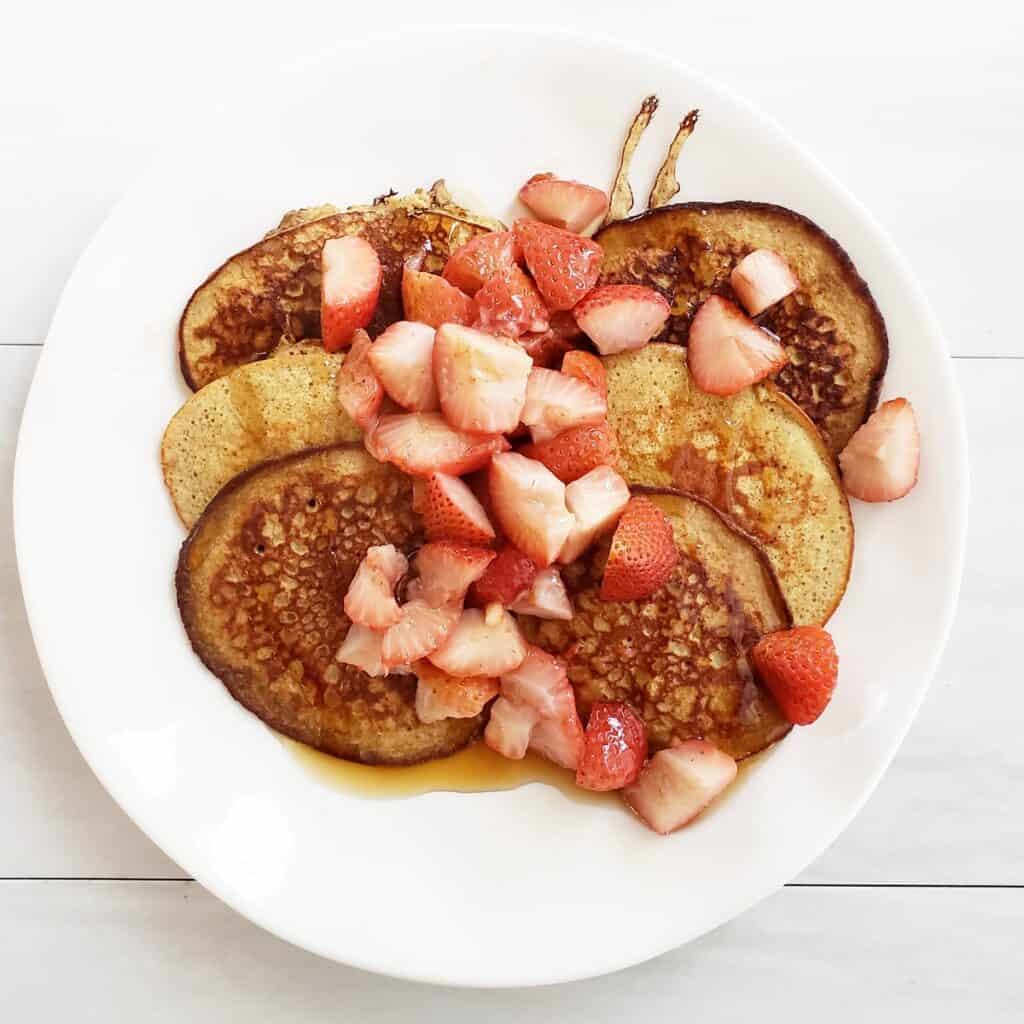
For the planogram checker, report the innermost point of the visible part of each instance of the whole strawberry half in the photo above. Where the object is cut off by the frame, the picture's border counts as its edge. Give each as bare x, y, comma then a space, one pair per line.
800, 667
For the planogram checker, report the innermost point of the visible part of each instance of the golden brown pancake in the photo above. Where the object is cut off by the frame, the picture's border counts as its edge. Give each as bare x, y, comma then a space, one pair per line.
678, 656
260, 582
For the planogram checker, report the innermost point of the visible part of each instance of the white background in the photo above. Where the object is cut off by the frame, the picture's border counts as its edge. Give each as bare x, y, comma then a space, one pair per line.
918, 909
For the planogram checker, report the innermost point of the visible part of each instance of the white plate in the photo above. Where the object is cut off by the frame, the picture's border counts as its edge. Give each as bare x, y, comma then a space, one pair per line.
513, 888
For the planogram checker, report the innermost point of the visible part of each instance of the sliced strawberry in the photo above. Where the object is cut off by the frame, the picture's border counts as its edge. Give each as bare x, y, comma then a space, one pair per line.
451, 511
479, 648
565, 266
509, 728
560, 738
881, 461
587, 367
447, 570
481, 379
678, 783
596, 501
509, 575
614, 748
727, 351
540, 682
529, 502
419, 632
761, 279
360, 393
361, 648
800, 667
402, 358
430, 299
509, 304
565, 204
472, 264
351, 275
422, 443
643, 554
575, 452
555, 402
439, 695
370, 599
546, 598
620, 317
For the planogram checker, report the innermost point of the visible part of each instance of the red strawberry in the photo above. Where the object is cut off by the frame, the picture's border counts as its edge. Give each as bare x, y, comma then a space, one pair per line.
643, 553
450, 510
419, 632
370, 599
508, 576
481, 379
546, 598
430, 299
620, 317
360, 393
477, 648
761, 279
529, 502
800, 667
881, 460
362, 649
555, 402
576, 451
439, 695
614, 748
403, 359
727, 351
596, 502
560, 738
350, 285
539, 682
565, 266
422, 443
678, 784
565, 204
546, 349
509, 728
509, 304
447, 570
585, 366
481, 258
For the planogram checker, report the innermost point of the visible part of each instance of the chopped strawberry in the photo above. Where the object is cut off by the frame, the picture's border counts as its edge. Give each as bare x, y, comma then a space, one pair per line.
555, 402
351, 275
565, 266
430, 299
587, 367
800, 667
596, 501
761, 279
540, 682
360, 393
403, 359
481, 379
620, 317
509, 728
479, 648
509, 304
470, 266
727, 351
451, 511
545, 349
643, 554
422, 443
575, 452
529, 502
614, 748
560, 738
370, 599
546, 598
678, 783
880, 462
362, 649
565, 204
419, 632
447, 570
439, 695
509, 575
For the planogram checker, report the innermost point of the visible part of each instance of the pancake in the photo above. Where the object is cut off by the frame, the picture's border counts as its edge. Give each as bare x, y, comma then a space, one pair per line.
272, 289
831, 327
678, 656
754, 456
260, 584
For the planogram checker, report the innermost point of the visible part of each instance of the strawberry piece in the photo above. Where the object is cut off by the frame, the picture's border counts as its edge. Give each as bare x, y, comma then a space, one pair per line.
678, 783
402, 358
509, 728
477, 647
539, 682
509, 575
450, 510
546, 350
361, 648
430, 299
565, 266
564, 203
761, 279
439, 695
881, 461
447, 570
529, 502
614, 748
620, 317
800, 667
727, 351
351, 275
481, 379
419, 632
560, 738
555, 402
509, 304
585, 366
370, 599
643, 553
472, 264
360, 392
575, 452
422, 443
596, 502
546, 598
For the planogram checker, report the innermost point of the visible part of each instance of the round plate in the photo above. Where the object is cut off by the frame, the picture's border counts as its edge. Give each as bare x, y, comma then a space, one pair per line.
511, 888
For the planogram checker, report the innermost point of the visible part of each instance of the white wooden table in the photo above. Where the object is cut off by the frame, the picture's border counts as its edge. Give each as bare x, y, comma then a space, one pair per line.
919, 907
